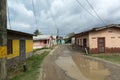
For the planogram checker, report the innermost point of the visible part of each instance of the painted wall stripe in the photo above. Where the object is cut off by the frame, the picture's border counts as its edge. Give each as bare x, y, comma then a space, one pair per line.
3, 51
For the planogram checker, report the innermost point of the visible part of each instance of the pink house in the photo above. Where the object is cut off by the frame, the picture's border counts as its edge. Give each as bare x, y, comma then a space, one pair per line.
42, 41
100, 40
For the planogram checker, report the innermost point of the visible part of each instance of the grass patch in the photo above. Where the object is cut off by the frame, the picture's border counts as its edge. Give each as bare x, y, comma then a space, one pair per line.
110, 57
35, 50
38, 49
33, 66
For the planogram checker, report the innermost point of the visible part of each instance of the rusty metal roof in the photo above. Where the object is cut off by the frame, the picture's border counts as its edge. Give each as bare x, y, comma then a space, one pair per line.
18, 32
100, 28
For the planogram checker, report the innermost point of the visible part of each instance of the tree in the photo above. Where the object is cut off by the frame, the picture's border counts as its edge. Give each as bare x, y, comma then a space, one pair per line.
37, 32
71, 34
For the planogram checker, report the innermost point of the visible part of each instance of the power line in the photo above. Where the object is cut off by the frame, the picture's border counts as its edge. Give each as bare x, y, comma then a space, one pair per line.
95, 11
55, 24
34, 14
8, 12
87, 10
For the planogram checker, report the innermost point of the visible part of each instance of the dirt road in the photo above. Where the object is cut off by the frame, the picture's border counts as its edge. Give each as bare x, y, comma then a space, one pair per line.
66, 64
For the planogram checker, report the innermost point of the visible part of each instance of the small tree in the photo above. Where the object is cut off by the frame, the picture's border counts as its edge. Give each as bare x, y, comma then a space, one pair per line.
37, 32
68, 40
71, 34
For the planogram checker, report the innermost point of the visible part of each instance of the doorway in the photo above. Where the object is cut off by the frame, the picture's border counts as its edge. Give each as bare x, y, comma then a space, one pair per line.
101, 45
22, 50
85, 42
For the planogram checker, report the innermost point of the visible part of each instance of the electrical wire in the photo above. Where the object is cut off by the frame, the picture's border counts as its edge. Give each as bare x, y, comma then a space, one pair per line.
84, 8
95, 11
34, 14
87, 10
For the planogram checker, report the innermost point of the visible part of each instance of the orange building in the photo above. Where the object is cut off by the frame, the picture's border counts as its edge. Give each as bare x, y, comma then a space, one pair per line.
104, 39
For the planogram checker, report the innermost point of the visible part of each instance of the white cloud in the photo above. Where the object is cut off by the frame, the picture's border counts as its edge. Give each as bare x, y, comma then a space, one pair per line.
69, 16
20, 16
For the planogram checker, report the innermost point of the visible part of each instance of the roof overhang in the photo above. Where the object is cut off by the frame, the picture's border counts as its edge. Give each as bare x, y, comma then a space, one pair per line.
18, 32
99, 28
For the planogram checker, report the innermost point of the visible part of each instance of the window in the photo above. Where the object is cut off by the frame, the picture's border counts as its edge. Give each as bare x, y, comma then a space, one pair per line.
93, 37
81, 42
112, 37
9, 46
78, 41
110, 31
45, 41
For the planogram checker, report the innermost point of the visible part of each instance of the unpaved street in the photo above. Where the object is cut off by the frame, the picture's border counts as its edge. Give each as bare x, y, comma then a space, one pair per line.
66, 64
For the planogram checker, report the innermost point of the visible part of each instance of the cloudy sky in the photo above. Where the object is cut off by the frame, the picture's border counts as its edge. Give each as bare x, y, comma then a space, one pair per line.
65, 15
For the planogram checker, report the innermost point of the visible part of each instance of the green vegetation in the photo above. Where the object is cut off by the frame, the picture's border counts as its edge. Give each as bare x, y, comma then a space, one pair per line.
38, 49
110, 57
33, 66
37, 32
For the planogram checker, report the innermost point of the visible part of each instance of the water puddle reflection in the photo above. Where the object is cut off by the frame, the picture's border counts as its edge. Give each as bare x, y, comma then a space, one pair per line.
70, 68
91, 69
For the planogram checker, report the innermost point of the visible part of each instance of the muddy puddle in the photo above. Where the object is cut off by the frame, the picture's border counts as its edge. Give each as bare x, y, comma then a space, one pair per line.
80, 68
92, 69
70, 68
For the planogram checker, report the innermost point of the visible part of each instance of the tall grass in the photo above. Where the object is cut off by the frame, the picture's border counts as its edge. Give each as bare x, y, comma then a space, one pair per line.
33, 66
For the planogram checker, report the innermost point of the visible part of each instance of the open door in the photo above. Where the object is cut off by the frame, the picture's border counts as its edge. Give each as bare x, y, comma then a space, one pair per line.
85, 42
101, 45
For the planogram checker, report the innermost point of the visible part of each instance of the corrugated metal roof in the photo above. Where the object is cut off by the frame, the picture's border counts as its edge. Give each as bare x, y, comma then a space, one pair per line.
41, 37
18, 32
101, 28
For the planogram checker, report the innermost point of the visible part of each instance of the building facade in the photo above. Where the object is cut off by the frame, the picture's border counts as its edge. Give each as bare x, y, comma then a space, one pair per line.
43, 41
100, 40
19, 46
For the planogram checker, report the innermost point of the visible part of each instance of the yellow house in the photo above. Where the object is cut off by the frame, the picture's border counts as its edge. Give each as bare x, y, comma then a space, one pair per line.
19, 46
104, 39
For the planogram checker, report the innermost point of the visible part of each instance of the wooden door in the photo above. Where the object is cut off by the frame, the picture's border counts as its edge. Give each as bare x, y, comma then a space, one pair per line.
101, 45
22, 50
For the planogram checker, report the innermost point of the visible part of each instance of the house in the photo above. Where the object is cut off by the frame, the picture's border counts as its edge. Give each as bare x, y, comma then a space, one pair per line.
72, 39
41, 41
19, 46
67, 39
104, 39
60, 40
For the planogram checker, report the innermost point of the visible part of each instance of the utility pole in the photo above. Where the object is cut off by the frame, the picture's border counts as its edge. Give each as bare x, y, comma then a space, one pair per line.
58, 32
3, 40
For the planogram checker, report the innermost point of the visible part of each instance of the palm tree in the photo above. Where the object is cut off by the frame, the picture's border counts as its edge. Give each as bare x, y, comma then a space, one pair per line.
37, 32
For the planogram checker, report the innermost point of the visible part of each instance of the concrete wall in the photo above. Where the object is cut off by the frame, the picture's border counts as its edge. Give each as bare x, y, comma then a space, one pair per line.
29, 46
40, 43
73, 40
14, 58
112, 40
79, 40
